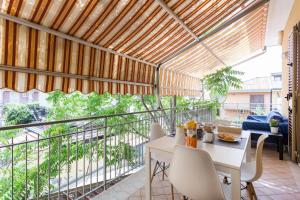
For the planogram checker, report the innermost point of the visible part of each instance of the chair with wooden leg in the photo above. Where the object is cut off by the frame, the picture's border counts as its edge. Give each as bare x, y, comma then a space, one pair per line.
252, 171
161, 163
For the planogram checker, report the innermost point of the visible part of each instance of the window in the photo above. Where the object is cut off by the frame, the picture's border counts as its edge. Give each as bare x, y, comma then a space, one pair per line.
277, 77
6, 97
35, 96
256, 101
23, 97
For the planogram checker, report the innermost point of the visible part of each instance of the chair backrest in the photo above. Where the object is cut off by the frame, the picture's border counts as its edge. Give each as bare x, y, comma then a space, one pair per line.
258, 157
229, 129
156, 131
193, 174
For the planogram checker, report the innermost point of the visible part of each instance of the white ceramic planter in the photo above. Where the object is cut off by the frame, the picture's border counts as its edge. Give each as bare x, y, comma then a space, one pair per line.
274, 130
180, 136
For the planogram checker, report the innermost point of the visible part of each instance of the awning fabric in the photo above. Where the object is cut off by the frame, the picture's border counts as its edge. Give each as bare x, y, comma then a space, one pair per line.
25, 47
187, 86
233, 43
141, 29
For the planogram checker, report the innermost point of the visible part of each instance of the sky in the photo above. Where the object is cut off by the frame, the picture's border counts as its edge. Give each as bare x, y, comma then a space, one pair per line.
263, 65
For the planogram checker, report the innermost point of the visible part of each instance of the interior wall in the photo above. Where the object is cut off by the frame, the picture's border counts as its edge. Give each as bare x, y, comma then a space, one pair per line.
293, 19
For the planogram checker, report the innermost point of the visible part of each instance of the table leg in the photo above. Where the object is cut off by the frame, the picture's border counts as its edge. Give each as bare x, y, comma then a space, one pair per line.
148, 173
280, 145
235, 184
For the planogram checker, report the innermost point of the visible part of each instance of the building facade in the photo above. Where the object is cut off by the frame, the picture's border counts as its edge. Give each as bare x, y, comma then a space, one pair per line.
257, 96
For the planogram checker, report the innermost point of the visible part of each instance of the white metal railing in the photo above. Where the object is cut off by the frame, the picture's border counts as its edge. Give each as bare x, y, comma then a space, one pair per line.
79, 158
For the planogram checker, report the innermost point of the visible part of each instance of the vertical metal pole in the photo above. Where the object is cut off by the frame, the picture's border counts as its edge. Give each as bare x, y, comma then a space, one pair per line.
104, 151
157, 86
110, 146
38, 166
115, 164
59, 169
12, 168
83, 187
173, 111
68, 169
26, 168
49, 163
76, 166
202, 88
91, 156
97, 157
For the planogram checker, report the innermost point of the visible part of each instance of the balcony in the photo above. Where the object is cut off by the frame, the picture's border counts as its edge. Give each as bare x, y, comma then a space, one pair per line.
103, 158
160, 48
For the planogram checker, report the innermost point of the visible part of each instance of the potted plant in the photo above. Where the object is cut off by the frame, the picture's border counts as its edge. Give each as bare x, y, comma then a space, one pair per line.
274, 125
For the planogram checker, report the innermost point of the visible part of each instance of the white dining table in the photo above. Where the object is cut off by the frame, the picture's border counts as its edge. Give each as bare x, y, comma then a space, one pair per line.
226, 159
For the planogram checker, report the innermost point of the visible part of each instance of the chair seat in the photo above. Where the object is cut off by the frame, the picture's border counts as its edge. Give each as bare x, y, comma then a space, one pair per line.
248, 171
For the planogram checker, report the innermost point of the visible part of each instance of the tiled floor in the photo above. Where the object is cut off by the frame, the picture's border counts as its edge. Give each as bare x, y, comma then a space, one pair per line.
280, 181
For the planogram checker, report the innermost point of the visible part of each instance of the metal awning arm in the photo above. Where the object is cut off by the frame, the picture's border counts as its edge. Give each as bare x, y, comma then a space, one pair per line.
182, 24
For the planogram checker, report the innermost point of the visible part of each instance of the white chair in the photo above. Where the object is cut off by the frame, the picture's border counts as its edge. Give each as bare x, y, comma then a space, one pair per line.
156, 132
193, 174
252, 171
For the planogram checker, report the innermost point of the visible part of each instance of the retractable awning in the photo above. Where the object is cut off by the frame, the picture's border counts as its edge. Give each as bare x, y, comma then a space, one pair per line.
238, 40
116, 45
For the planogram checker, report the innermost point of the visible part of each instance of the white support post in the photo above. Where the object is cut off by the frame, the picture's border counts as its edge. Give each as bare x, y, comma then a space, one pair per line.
157, 86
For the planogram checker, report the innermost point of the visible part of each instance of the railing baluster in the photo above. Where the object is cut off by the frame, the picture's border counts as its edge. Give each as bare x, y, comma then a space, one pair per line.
38, 168
76, 164
49, 162
83, 186
12, 168
110, 147
68, 156
139, 142
115, 144
104, 151
59, 169
91, 157
26, 166
97, 156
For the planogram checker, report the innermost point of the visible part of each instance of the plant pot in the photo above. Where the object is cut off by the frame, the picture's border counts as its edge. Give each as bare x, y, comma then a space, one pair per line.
274, 130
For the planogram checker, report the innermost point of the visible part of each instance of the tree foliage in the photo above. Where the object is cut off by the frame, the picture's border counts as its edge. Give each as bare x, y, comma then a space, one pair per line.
219, 83
18, 114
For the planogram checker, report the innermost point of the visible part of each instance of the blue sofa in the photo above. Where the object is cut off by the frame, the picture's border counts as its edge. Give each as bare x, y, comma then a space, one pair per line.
261, 123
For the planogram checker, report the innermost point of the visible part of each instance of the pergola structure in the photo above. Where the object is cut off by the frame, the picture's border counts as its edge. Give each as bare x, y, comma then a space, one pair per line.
128, 46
